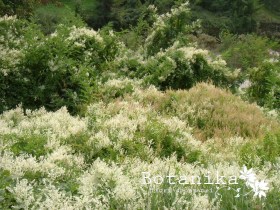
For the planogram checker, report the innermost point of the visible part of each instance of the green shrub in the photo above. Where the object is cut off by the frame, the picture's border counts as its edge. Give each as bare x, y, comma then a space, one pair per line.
213, 112
50, 16
32, 145
177, 68
248, 155
51, 71
265, 85
79, 145
164, 142
271, 146
168, 28
240, 15
257, 153
22, 9
125, 13
7, 200
237, 50
272, 4
182, 68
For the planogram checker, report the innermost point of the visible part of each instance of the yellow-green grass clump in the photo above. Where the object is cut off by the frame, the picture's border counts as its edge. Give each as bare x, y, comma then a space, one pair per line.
212, 112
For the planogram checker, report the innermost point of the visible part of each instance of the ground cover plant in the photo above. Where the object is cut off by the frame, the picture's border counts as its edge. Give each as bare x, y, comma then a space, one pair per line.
90, 120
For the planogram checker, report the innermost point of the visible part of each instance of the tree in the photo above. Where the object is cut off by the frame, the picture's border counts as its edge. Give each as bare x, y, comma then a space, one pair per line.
103, 9
272, 4
21, 8
126, 12
243, 15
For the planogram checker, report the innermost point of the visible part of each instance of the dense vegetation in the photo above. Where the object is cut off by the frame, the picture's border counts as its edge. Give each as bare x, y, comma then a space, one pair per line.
93, 93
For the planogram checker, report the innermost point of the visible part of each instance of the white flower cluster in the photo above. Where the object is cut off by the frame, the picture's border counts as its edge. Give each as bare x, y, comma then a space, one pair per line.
59, 124
101, 175
24, 195
48, 165
152, 8
6, 18
77, 33
102, 181
121, 83
275, 56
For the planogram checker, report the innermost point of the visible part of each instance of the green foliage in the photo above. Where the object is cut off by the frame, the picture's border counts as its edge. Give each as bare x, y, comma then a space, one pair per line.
79, 145
125, 13
135, 36
211, 23
50, 16
271, 147
141, 117
164, 144
164, 6
97, 13
273, 198
265, 87
22, 8
7, 200
121, 13
272, 4
115, 92
174, 71
32, 145
60, 71
67, 82
218, 114
20, 32
241, 14
260, 152
215, 5
168, 28
32, 176
237, 50
178, 68
229, 200
167, 62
